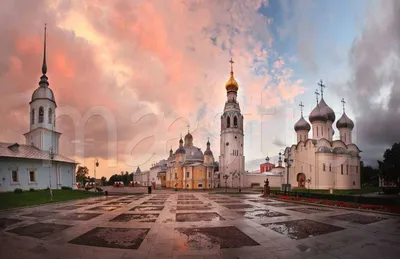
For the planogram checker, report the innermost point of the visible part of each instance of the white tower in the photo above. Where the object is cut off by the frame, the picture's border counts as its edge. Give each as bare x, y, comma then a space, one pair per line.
231, 158
43, 106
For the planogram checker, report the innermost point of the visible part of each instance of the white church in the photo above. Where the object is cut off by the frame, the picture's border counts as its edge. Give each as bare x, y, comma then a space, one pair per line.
37, 164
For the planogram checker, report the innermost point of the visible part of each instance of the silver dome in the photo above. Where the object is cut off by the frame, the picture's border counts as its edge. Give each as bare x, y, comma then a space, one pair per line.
193, 154
180, 150
43, 93
328, 110
318, 115
208, 153
324, 149
340, 150
345, 122
302, 124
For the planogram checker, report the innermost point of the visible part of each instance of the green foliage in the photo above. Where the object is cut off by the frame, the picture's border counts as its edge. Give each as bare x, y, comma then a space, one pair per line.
390, 167
369, 175
31, 190
103, 181
66, 188
18, 190
123, 177
82, 173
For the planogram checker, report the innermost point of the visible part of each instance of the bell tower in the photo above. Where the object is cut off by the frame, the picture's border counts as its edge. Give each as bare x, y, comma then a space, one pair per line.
231, 157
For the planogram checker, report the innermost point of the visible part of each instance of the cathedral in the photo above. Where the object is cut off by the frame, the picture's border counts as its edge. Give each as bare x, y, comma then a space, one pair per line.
189, 168
319, 162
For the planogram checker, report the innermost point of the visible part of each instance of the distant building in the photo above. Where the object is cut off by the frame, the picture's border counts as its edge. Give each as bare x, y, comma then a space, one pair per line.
267, 166
37, 164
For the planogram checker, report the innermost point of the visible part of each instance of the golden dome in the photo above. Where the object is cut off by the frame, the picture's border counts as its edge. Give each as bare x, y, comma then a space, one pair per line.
231, 85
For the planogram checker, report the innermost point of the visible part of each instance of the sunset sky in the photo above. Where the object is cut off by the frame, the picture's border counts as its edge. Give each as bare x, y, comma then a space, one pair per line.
130, 75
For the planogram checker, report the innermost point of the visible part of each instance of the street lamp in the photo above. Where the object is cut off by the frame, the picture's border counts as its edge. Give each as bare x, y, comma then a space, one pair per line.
176, 182
96, 164
288, 162
51, 153
226, 179
309, 182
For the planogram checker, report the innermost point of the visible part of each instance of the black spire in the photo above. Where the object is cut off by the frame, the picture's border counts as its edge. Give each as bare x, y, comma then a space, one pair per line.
43, 79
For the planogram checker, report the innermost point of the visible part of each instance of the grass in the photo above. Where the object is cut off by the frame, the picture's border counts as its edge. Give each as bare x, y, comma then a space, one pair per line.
365, 190
13, 200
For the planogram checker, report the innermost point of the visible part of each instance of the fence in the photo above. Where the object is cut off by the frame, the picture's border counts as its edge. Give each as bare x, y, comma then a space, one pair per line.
384, 201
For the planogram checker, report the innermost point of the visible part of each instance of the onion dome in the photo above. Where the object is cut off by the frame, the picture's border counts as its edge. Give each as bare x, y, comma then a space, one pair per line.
327, 110
180, 150
188, 140
231, 85
318, 115
208, 151
345, 122
267, 159
194, 154
302, 124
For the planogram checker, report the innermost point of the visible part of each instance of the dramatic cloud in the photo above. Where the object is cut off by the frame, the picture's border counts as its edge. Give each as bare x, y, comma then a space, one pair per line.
128, 76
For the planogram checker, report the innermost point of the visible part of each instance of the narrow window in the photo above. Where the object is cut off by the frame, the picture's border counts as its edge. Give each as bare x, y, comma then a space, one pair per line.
32, 177
322, 131
33, 116
187, 174
41, 114
341, 168
317, 131
14, 175
235, 122
330, 168
354, 183
176, 176
323, 167
347, 169
209, 174
50, 115
228, 122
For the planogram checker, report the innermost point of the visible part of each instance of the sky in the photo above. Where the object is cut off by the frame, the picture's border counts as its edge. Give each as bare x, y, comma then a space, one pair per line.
129, 76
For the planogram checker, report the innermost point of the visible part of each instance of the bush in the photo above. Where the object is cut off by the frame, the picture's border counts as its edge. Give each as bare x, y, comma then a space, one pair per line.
18, 190
99, 189
66, 188
31, 190
390, 190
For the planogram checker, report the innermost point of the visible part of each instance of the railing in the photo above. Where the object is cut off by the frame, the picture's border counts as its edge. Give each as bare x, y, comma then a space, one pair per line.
345, 198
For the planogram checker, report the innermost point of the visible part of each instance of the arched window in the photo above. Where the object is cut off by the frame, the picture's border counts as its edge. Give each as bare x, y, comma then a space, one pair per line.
228, 122
41, 114
330, 168
341, 168
323, 167
235, 121
50, 115
33, 116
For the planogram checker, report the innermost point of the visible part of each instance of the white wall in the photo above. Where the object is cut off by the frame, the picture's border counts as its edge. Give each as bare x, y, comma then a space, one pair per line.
274, 181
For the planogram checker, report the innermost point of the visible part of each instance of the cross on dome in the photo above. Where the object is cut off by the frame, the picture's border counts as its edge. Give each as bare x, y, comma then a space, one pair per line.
301, 108
188, 126
343, 103
231, 61
317, 94
322, 86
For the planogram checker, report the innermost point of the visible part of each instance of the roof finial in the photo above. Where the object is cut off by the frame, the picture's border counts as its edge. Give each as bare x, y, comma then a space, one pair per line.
44, 65
301, 108
316, 94
343, 103
188, 126
231, 61
322, 86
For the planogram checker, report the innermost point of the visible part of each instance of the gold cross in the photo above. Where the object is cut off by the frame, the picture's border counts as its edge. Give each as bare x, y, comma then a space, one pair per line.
231, 61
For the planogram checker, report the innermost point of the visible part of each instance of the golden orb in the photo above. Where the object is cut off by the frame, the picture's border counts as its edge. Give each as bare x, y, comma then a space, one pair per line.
231, 85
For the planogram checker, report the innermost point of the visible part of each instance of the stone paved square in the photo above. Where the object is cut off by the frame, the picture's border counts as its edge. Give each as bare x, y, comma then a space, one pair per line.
309, 210
193, 217
303, 228
228, 201
358, 218
105, 208
5, 222
78, 216
40, 214
186, 229
38, 230
135, 217
147, 208
238, 206
152, 203
211, 238
125, 238
118, 203
283, 204
259, 214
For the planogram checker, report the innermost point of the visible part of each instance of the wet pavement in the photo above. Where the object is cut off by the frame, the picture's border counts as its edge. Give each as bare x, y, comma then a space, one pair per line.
195, 225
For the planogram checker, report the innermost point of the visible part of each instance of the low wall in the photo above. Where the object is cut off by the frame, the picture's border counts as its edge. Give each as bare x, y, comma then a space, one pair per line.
257, 180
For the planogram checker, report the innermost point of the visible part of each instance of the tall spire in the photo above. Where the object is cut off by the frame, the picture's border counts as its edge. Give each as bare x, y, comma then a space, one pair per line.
43, 79
322, 86
301, 108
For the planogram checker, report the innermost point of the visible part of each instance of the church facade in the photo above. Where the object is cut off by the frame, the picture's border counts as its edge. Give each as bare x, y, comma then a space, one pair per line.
189, 168
37, 164
318, 161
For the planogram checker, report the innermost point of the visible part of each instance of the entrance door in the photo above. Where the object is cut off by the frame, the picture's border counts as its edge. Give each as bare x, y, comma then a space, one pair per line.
301, 180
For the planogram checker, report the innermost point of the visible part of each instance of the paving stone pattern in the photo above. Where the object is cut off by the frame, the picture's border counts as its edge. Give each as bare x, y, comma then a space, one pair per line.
167, 224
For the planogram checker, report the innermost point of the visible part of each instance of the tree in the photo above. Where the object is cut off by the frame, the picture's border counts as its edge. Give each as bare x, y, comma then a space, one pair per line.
82, 173
368, 175
103, 181
391, 164
216, 166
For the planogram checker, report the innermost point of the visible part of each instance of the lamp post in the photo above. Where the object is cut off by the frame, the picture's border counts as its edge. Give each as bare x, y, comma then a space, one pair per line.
176, 182
226, 179
96, 164
288, 162
51, 153
309, 182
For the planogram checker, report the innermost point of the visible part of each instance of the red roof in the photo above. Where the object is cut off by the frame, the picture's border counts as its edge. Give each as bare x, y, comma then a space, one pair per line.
16, 150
